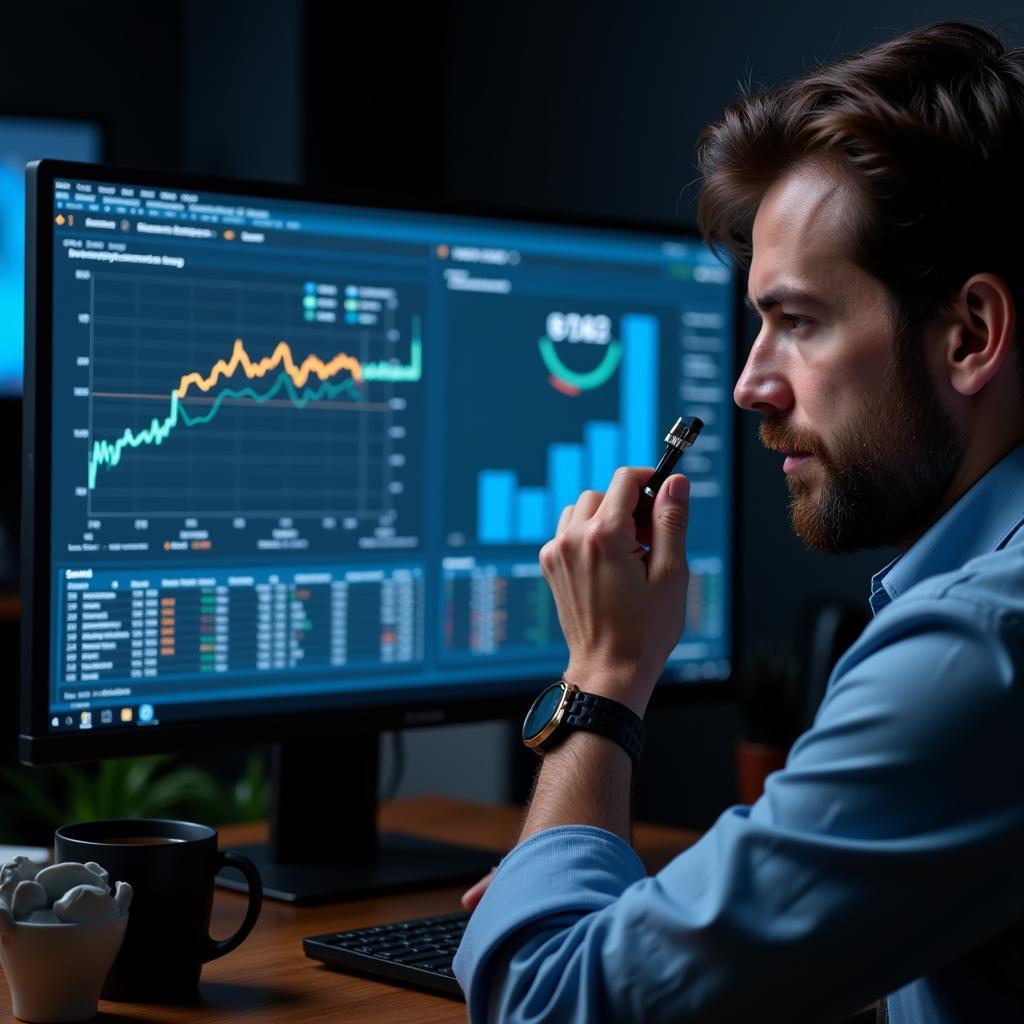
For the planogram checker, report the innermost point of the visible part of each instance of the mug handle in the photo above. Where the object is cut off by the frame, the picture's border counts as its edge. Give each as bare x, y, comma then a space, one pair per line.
219, 947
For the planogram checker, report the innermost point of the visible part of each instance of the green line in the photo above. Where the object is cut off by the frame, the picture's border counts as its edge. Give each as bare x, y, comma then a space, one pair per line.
108, 453
400, 372
299, 400
584, 381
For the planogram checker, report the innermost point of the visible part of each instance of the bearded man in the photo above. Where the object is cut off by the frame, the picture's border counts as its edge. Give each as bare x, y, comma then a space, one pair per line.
878, 205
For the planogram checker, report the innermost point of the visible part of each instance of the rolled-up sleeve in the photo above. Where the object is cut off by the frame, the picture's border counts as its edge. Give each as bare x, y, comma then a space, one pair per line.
870, 860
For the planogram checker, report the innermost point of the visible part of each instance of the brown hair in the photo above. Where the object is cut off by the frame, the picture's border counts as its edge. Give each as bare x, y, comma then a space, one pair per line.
929, 127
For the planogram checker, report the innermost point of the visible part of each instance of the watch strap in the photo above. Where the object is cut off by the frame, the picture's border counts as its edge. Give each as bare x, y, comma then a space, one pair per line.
607, 718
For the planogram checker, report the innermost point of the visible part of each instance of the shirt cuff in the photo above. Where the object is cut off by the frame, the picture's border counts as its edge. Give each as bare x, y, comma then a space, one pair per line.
571, 869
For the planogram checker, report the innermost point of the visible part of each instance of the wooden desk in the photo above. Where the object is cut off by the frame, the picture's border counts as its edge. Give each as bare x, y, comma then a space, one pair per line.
269, 979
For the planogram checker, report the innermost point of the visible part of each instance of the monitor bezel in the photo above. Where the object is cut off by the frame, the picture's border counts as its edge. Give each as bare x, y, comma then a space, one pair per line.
36, 744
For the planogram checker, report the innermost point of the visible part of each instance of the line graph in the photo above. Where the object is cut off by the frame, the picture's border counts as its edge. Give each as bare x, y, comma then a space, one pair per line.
281, 356
264, 413
105, 453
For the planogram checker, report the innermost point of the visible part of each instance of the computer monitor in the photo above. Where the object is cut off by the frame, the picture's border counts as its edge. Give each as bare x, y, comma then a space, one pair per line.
289, 463
23, 139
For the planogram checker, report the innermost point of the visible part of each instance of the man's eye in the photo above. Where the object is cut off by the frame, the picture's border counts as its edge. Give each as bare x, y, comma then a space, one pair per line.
794, 321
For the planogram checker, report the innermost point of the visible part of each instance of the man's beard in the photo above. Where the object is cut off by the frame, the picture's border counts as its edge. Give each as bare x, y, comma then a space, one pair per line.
882, 479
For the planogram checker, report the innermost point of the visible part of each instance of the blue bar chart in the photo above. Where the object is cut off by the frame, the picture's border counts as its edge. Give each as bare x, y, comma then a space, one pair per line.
509, 512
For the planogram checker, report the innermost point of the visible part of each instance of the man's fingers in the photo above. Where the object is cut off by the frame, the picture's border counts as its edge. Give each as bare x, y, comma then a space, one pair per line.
586, 505
669, 520
564, 518
624, 491
472, 896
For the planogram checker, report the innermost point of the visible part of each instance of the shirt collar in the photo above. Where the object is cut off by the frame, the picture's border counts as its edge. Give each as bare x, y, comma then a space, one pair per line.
980, 521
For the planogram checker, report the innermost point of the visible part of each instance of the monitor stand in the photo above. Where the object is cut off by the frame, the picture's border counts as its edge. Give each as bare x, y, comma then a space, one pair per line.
324, 846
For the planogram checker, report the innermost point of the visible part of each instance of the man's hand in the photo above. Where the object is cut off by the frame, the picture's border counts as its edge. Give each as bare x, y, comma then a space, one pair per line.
621, 610
475, 893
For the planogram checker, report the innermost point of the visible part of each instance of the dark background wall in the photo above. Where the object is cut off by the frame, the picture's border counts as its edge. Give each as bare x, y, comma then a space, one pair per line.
579, 106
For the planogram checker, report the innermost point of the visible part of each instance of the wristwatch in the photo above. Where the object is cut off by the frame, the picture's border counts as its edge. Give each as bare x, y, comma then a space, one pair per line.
563, 707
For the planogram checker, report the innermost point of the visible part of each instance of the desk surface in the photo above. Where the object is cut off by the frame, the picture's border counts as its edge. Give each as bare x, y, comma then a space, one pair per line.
269, 979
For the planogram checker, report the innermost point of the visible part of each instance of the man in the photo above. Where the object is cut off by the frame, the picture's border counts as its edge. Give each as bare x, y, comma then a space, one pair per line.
879, 202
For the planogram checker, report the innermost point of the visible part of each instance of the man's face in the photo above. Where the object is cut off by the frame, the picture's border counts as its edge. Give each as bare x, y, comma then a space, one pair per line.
870, 449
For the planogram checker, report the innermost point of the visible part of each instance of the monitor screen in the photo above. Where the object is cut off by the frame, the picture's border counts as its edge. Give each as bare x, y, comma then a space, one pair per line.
304, 454
23, 139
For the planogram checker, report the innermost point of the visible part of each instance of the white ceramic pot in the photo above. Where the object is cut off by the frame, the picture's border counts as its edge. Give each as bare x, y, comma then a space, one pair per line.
55, 971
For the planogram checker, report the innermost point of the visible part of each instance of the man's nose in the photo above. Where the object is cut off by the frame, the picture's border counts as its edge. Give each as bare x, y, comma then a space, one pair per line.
762, 386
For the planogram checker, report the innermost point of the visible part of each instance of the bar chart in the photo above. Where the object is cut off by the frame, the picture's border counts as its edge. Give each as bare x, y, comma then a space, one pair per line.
509, 512
548, 395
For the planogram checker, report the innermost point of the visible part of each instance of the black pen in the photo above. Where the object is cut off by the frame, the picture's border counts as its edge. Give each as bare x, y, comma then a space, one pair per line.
683, 433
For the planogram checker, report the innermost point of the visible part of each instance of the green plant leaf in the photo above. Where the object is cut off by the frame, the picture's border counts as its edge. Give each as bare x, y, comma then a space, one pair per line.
181, 788
81, 792
140, 771
145, 787
251, 791
27, 791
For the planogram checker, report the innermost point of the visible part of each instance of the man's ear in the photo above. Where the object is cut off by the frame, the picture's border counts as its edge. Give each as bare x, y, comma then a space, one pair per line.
980, 338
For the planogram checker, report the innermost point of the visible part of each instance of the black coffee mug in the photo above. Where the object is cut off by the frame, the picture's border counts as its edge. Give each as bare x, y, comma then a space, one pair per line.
171, 866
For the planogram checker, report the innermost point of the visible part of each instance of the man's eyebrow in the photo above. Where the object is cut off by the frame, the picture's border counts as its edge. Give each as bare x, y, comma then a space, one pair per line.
771, 300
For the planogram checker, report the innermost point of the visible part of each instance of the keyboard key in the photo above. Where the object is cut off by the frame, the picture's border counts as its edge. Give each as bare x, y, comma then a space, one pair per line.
419, 951
415, 958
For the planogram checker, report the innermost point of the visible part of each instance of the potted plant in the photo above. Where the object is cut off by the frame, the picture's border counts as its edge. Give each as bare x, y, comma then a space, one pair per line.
33, 802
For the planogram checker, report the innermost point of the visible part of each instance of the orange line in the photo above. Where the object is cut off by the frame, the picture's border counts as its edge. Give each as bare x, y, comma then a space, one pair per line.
281, 356
323, 404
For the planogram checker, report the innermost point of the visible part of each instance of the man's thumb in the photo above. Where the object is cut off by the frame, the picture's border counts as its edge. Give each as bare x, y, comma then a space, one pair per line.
669, 521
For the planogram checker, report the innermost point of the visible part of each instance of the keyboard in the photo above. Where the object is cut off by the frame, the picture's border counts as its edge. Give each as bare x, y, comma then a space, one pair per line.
417, 952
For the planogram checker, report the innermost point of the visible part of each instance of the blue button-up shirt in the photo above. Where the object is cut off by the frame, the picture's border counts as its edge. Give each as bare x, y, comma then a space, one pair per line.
887, 857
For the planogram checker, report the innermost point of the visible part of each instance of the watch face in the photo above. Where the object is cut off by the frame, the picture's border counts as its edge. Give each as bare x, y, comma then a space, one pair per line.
543, 708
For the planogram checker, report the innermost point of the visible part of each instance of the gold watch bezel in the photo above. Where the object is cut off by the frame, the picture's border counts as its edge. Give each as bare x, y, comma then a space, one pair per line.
537, 742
